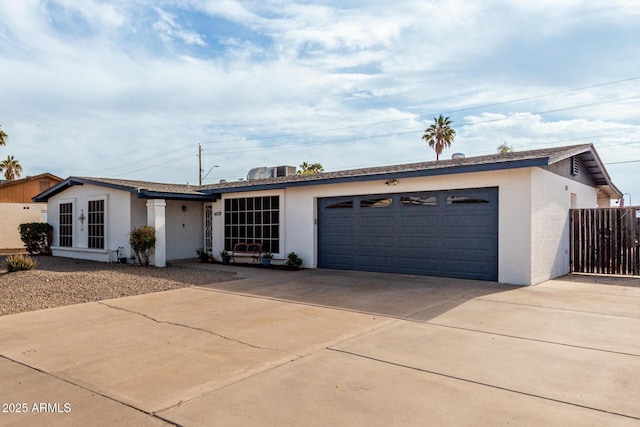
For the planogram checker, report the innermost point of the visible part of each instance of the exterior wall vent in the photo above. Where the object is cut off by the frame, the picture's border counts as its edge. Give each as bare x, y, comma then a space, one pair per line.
575, 165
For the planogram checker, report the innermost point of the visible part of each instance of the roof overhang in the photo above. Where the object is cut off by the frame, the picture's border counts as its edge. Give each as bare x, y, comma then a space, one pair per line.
140, 193
456, 169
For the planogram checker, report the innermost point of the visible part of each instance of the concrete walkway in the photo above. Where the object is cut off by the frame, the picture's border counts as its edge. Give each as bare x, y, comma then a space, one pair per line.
322, 347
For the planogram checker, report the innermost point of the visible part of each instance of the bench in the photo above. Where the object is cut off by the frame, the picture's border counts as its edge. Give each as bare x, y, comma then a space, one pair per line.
253, 250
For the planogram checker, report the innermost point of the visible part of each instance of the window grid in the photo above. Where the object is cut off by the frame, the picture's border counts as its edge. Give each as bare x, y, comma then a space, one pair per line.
65, 231
253, 220
208, 228
96, 224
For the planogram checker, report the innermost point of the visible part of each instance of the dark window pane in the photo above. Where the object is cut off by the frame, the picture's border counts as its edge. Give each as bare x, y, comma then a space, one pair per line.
275, 202
258, 203
242, 204
341, 205
258, 218
452, 200
266, 203
266, 217
275, 217
266, 231
227, 205
275, 246
376, 202
419, 201
250, 204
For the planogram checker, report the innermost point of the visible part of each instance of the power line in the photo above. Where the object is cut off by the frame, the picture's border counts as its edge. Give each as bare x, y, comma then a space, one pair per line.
431, 114
619, 163
361, 138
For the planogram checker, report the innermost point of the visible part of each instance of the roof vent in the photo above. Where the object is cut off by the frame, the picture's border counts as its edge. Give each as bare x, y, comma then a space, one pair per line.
457, 156
222, 181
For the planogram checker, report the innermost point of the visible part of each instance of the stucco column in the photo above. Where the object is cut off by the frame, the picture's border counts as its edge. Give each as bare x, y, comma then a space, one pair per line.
156, 219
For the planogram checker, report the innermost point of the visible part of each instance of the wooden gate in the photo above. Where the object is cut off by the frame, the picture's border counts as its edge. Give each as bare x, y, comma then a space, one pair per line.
605, 241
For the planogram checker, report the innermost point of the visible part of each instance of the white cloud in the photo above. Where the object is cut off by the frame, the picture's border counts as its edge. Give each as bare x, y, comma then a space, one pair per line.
350, 86
169, 29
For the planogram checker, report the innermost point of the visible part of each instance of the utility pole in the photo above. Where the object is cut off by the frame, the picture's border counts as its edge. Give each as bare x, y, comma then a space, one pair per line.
200, 164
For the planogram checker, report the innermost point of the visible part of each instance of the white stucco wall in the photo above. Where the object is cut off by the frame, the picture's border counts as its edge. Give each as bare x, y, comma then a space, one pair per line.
14, 214
184, 229
550, 204
117, 219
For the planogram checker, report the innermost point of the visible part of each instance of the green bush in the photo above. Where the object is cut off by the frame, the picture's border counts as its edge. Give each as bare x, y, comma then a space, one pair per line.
143, 240
293, 261
37, 237
203, 256
19, 263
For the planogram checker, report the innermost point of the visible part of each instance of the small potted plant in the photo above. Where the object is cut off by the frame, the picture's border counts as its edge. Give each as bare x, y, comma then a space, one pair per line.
203, 256
226, 257
266, 259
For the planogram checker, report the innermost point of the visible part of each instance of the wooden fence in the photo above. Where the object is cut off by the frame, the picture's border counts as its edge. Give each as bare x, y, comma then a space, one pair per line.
605, 241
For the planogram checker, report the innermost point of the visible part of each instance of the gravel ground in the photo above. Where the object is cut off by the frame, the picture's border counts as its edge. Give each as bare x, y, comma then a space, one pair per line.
61, 281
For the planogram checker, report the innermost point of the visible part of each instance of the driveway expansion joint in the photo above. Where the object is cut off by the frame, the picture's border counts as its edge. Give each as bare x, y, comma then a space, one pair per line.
428, 322
97, 393
165, 322
548, 307
524, 393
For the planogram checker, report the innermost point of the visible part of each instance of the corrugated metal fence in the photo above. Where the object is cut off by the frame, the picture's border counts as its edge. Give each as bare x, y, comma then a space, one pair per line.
605, 241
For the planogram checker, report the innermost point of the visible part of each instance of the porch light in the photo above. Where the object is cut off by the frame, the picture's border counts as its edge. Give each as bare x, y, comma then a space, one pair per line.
391, 182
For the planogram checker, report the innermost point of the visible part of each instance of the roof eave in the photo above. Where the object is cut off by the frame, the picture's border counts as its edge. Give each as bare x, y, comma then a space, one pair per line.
146, 194
461, 168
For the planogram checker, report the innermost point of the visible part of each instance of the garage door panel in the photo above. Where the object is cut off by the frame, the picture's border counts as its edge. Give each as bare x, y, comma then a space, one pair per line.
446, 233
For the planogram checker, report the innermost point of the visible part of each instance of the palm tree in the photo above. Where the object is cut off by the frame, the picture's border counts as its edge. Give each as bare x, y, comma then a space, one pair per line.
11, 168
3, 137
310, 168
439, 135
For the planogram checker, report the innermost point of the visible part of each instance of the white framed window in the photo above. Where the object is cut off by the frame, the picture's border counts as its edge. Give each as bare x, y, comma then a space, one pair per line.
96, 224
252, 220
65, 225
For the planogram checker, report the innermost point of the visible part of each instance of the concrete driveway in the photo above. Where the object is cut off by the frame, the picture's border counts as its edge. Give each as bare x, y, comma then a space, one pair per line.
331, 348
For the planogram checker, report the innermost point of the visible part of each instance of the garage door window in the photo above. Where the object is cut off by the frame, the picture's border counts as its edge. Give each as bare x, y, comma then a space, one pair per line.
419, 201
376, 202
348, 204
453, 200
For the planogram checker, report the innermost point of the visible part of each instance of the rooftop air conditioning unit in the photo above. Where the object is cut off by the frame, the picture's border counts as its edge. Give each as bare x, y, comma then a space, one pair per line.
280, 171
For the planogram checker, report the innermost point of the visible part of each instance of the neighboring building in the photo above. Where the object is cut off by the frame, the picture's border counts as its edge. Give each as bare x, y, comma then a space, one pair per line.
500, 217
17, 207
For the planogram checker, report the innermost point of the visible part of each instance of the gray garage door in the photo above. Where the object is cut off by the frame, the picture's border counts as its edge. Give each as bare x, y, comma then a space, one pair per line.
444, 233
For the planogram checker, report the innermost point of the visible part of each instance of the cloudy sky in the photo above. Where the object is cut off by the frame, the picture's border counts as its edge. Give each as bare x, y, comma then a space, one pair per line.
130, 88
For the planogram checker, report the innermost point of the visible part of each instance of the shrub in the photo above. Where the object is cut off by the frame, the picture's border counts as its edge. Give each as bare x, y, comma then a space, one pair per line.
143, 240
37, 237
203, 256
293, 261
19, 263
